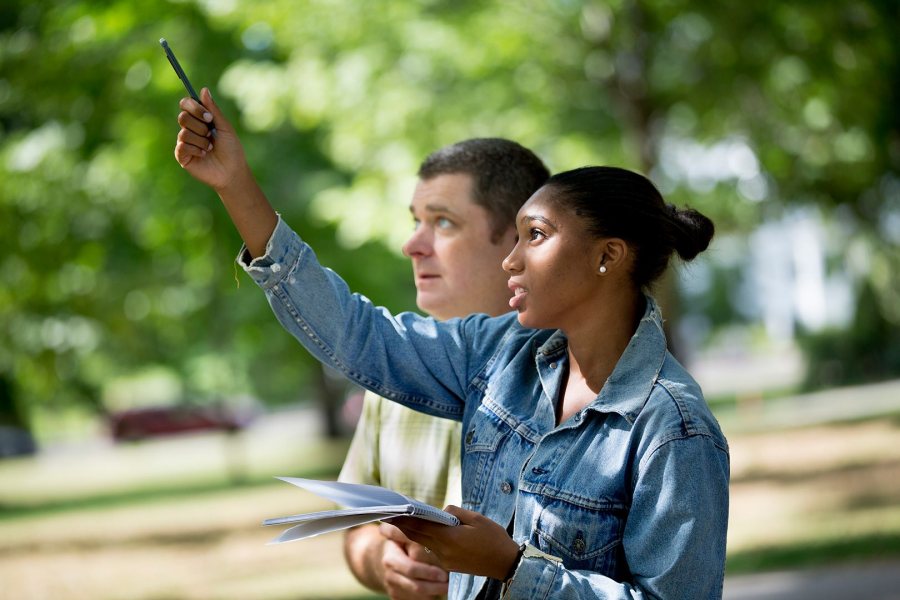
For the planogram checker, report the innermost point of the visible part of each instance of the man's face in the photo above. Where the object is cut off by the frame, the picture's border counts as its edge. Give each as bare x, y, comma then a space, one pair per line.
456, 265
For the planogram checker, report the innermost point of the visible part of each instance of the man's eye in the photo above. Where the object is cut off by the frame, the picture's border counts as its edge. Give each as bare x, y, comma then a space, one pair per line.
443, 223
416, 224
536, 233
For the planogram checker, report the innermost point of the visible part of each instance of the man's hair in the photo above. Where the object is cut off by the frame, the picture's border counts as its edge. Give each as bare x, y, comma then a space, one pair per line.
504, 175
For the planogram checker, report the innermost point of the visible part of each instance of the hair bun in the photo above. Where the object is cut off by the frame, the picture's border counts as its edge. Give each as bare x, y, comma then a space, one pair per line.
693, 230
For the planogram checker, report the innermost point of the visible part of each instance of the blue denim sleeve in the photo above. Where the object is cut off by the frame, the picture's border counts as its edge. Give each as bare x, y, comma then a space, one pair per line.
674, 538
409, 359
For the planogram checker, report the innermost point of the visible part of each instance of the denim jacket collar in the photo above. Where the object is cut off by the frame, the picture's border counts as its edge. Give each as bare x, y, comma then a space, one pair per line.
628, 388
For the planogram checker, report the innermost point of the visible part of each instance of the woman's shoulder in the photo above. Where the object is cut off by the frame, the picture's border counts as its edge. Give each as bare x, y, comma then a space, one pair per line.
678, 404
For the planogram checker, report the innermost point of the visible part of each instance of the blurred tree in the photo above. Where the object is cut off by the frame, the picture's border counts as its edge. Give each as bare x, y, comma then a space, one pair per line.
742, 110
868, 350
115, 260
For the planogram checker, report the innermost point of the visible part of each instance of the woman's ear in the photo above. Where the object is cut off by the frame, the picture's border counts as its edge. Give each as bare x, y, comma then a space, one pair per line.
612, 256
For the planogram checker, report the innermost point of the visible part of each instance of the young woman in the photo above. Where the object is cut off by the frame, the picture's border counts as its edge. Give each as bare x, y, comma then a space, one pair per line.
592, 467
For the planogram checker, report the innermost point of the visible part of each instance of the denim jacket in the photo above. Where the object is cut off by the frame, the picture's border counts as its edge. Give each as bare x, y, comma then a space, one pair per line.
629, 495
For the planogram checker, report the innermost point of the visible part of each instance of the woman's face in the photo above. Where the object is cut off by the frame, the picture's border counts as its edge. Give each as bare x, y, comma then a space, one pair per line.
553, 266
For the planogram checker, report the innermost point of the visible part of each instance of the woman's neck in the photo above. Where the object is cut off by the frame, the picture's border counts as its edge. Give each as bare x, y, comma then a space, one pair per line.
596, 344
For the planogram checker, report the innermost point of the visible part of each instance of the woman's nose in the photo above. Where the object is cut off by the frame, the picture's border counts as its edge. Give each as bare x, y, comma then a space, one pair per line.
510, 264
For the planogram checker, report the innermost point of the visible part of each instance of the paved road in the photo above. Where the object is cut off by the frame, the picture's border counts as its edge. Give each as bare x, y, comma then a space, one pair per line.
871, 581
817, 408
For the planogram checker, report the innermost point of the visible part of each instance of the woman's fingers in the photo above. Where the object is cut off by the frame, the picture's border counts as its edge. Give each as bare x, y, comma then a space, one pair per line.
411, 525
185, 153
195, 109
188, 121
464, 516
220, 122
189, 137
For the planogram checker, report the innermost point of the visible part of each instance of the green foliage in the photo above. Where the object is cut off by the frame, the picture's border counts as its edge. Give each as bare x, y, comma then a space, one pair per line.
116, 261
869, 350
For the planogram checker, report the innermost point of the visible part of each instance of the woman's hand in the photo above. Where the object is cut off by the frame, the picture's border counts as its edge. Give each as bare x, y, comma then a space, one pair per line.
220, 163
477, 546
216, 161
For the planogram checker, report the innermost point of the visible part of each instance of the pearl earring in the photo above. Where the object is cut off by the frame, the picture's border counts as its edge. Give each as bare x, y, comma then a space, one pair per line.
602, 268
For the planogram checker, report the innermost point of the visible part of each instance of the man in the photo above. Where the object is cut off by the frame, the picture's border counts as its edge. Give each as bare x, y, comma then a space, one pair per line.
464, 208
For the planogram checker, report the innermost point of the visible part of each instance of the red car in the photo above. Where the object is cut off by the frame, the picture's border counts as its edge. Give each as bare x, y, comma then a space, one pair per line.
140, 423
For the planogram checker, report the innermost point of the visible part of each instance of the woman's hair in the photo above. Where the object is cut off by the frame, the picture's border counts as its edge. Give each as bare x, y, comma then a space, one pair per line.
619, 203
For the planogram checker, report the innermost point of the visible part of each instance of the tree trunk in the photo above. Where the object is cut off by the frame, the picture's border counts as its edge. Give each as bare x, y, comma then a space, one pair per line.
329, 394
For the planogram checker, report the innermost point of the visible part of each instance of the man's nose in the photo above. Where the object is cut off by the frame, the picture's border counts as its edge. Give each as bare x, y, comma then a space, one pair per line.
419, 243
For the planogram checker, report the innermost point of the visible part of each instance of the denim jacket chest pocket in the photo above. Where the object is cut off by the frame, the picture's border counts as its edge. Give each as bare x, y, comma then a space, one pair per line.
485, 433
584, 538
580, 518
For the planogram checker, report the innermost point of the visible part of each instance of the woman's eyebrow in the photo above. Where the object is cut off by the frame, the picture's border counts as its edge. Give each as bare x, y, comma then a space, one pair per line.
526, 218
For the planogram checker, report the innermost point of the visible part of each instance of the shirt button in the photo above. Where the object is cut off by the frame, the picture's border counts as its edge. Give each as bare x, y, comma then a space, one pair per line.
553, 365
506, 487
276, 268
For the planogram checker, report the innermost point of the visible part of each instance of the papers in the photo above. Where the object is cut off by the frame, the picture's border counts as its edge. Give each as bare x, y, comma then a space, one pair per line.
361, 504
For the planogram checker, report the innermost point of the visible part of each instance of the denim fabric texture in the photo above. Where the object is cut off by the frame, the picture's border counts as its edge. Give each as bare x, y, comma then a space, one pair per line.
631, 492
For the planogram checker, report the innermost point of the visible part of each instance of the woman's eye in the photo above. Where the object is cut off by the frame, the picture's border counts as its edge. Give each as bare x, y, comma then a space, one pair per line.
535, 233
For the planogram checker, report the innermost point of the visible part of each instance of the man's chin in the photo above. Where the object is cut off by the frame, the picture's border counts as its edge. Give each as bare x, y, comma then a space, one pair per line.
432, 304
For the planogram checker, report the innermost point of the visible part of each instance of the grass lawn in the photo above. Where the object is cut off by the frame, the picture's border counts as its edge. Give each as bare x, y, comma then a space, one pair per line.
166, 520
810, 496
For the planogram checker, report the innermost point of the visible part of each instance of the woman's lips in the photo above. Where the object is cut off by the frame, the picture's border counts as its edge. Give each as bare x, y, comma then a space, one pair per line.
518, 298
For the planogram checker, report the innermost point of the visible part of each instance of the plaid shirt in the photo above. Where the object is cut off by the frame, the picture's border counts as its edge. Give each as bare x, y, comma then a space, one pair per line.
405, 451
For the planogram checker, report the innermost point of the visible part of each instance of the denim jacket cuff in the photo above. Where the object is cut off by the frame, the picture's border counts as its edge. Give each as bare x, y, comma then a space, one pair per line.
534, 576
282, 251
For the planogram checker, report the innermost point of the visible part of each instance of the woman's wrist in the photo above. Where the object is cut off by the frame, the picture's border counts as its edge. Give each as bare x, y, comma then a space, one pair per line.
507, 561
510, 573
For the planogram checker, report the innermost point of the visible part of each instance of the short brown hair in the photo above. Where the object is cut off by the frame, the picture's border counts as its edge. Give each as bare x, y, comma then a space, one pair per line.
504, 175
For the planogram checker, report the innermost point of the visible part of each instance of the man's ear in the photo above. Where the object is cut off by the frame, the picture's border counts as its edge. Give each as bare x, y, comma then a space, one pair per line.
613, 254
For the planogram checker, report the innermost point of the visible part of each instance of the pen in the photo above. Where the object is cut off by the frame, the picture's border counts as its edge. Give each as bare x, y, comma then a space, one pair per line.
180, 72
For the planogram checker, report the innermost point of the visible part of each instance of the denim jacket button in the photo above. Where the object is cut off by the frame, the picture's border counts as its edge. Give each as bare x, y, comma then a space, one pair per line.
577, 416
470, 436
553, 365
506, 487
